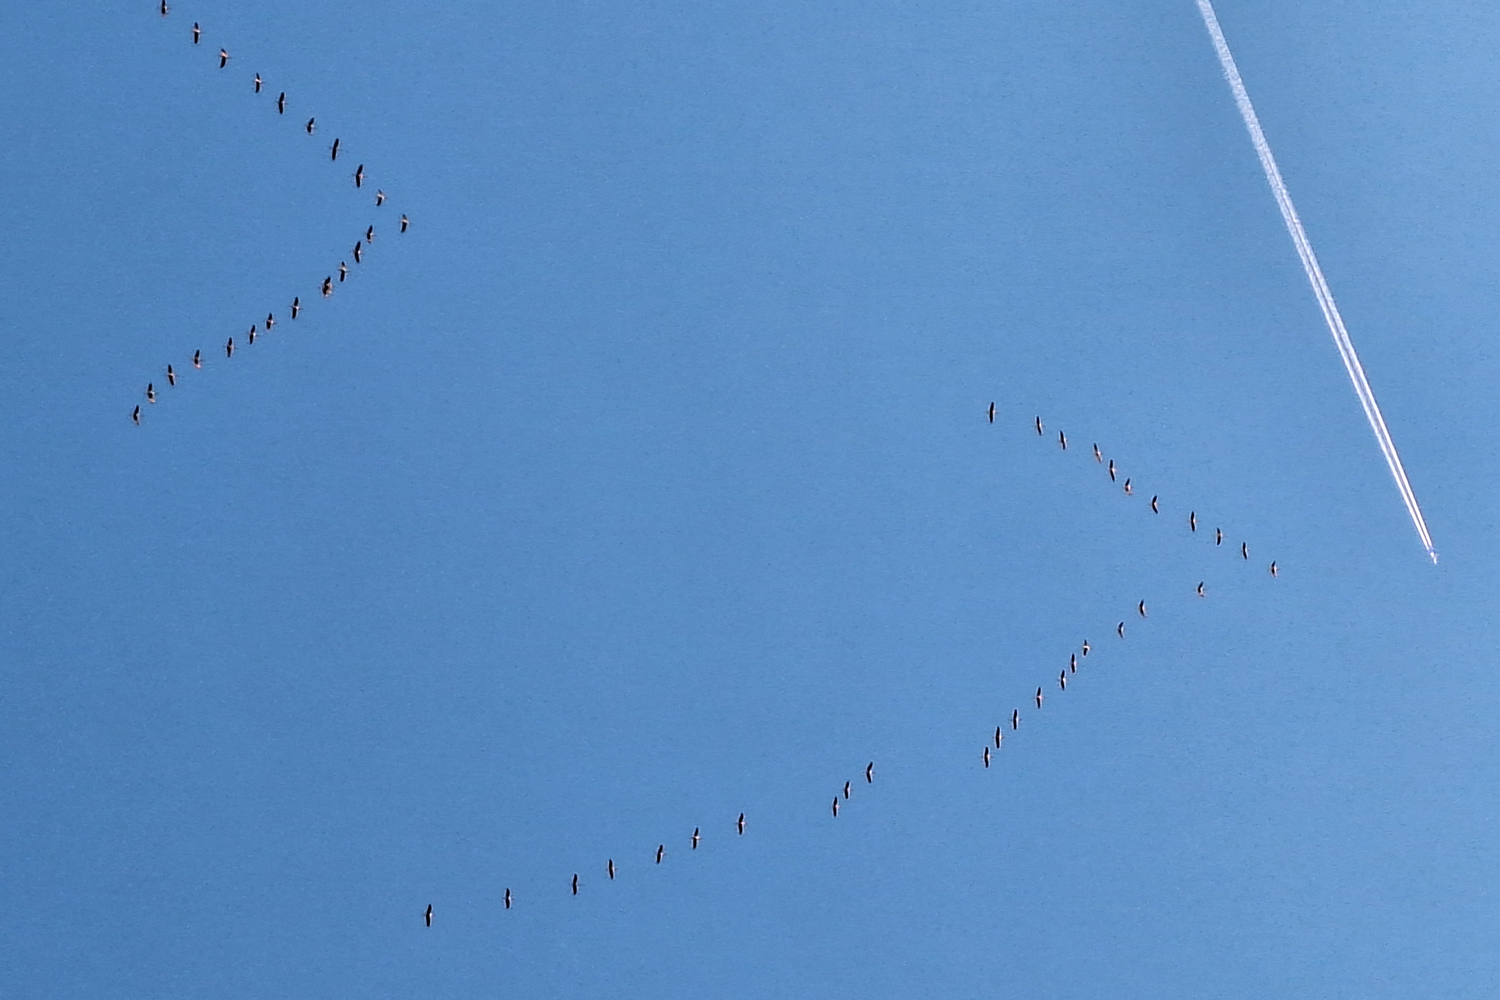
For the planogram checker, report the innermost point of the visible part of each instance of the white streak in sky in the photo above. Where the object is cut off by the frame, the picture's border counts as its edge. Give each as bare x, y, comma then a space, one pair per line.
1315, 274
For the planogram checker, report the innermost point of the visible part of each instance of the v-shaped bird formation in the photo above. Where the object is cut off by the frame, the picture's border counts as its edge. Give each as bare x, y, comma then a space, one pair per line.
294, 309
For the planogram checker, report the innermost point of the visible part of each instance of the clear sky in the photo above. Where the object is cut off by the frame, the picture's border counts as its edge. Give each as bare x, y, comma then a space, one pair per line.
646, 481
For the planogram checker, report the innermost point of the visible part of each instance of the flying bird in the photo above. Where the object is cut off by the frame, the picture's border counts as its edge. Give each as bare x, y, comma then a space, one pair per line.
257, 83
986, 756
379, 198
870, 773
197, 359
1111, 470
1086, 647
327, 286
1218, 536
1073, 662
229, 348
1039, 425
356, 251
310, 126
150, 393
611, 869
507, 899
1154, 509
847, 789
1098, 455
1200, 589
992, 411
999, 737
1273, 567
370, 234
252, 333
695, 838
575, 883
1128, 490
223, 58
359, 175
281, 103
660, 850
835, 807
1120, 630
1062, 680
1245, 550
164, 8
429, 914
1062, 439
197, 31
343, 270
740, 825
136, 416
171, 376
404, 224
1141, 607
334, 154
1015, 719
1192, 520
296, 305
1038, 697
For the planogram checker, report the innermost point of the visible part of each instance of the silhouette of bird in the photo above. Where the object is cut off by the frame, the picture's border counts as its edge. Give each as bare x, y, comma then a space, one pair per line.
1120, 630
575, 883
310, 126
999, 737
1192, 520
429, 914
171, 376
223, 58
992, 411
1039, 425
359, 175
197, 359
296, 305
986, 756
281, 103
1154, 509
740, 825
379, 198
150, 393
252, 333
229, 348
611, 869
661, 849
343, 270
1218, 536
1098, 455
1141, 607
1111, 470
1086, 647
327, 286
847, 789
1128, 490
164, 8
197, 31
1073, 662
370, 234
257, 83
270, 321
695, 838
870, 773
1038, 697
1015, 719
1200, 589
136, 416
334, 153
404, 224
835, 807
356, 251
1273, 567
507, 899
1062, 439
1062, 680
1245, 550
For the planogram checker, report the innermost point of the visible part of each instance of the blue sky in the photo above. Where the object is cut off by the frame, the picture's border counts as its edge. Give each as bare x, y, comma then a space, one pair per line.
646, 481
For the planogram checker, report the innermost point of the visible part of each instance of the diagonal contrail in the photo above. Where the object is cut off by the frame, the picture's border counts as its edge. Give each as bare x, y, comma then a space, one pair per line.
1315, 274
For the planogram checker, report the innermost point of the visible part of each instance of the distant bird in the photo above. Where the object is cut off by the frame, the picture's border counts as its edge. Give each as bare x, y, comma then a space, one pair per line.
1015, 719
986, 756
1200, 589
356, 251
870, 773
1245, 550
257, 83
379, 198
1086, 647
171, 376
1192, 520
847, 789
343, 270
999, 737
1128, 490
1120, 630
281, 103
359, 175
575, 883
310, 126
370, 234
1218, 536
835, 807
1098, 455
660, 850
334, 153
223, 58
1073, 662
404, 224
1039, 425
197, 32
992, 411
1062, 680
327, 286
1038, 697
1111, 470
150, 393
270, 321
164, 8
1273, 567
1154, 509
429, 914
197, 359
695, 838
1141, 607
296, 305
740, 824
229, 348
136, 416
611, 869
252, 333
1062, 439
507, 899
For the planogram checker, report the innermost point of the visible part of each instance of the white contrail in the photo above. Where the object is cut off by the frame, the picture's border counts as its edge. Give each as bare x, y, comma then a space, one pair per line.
1315, 274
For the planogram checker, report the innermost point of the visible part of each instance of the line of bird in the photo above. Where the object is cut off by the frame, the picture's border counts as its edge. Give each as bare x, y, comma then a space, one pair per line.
361, 245
1082, 651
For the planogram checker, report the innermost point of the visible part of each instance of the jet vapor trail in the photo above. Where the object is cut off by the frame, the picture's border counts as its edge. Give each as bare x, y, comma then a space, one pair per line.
1315, 274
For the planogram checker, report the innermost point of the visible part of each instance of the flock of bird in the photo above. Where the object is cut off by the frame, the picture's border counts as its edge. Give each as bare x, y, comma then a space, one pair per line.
326, 287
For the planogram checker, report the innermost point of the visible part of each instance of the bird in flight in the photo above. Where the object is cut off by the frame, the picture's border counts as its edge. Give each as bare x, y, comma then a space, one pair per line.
1073, 662
1038, 697
740, 825
1154, 508
328, 286
197, 359
661, 849
197, 31
171, 376
1218, 536
404, 224
1039, 425
1273, 567
575, 883
1098, 455
296, 305
334, 154
429, 914
164, 8
1200, 589
986, 756
310, 126
379, 198
370, 234
695, 838
1062, 439
281, 103
343, 270
835, 807
1141, 607
150, 393
257, 83
136, 416
847, 789
270, 321
1245, 550
1192, 520
999, 737
252, 333
223, 58
1062, 680
1015, 719
229, 348
1128, 490
359, 175
992, 411
1120, 630
1086, 647
1111, 470
507, 899
356, 251
870, 773
611, 869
